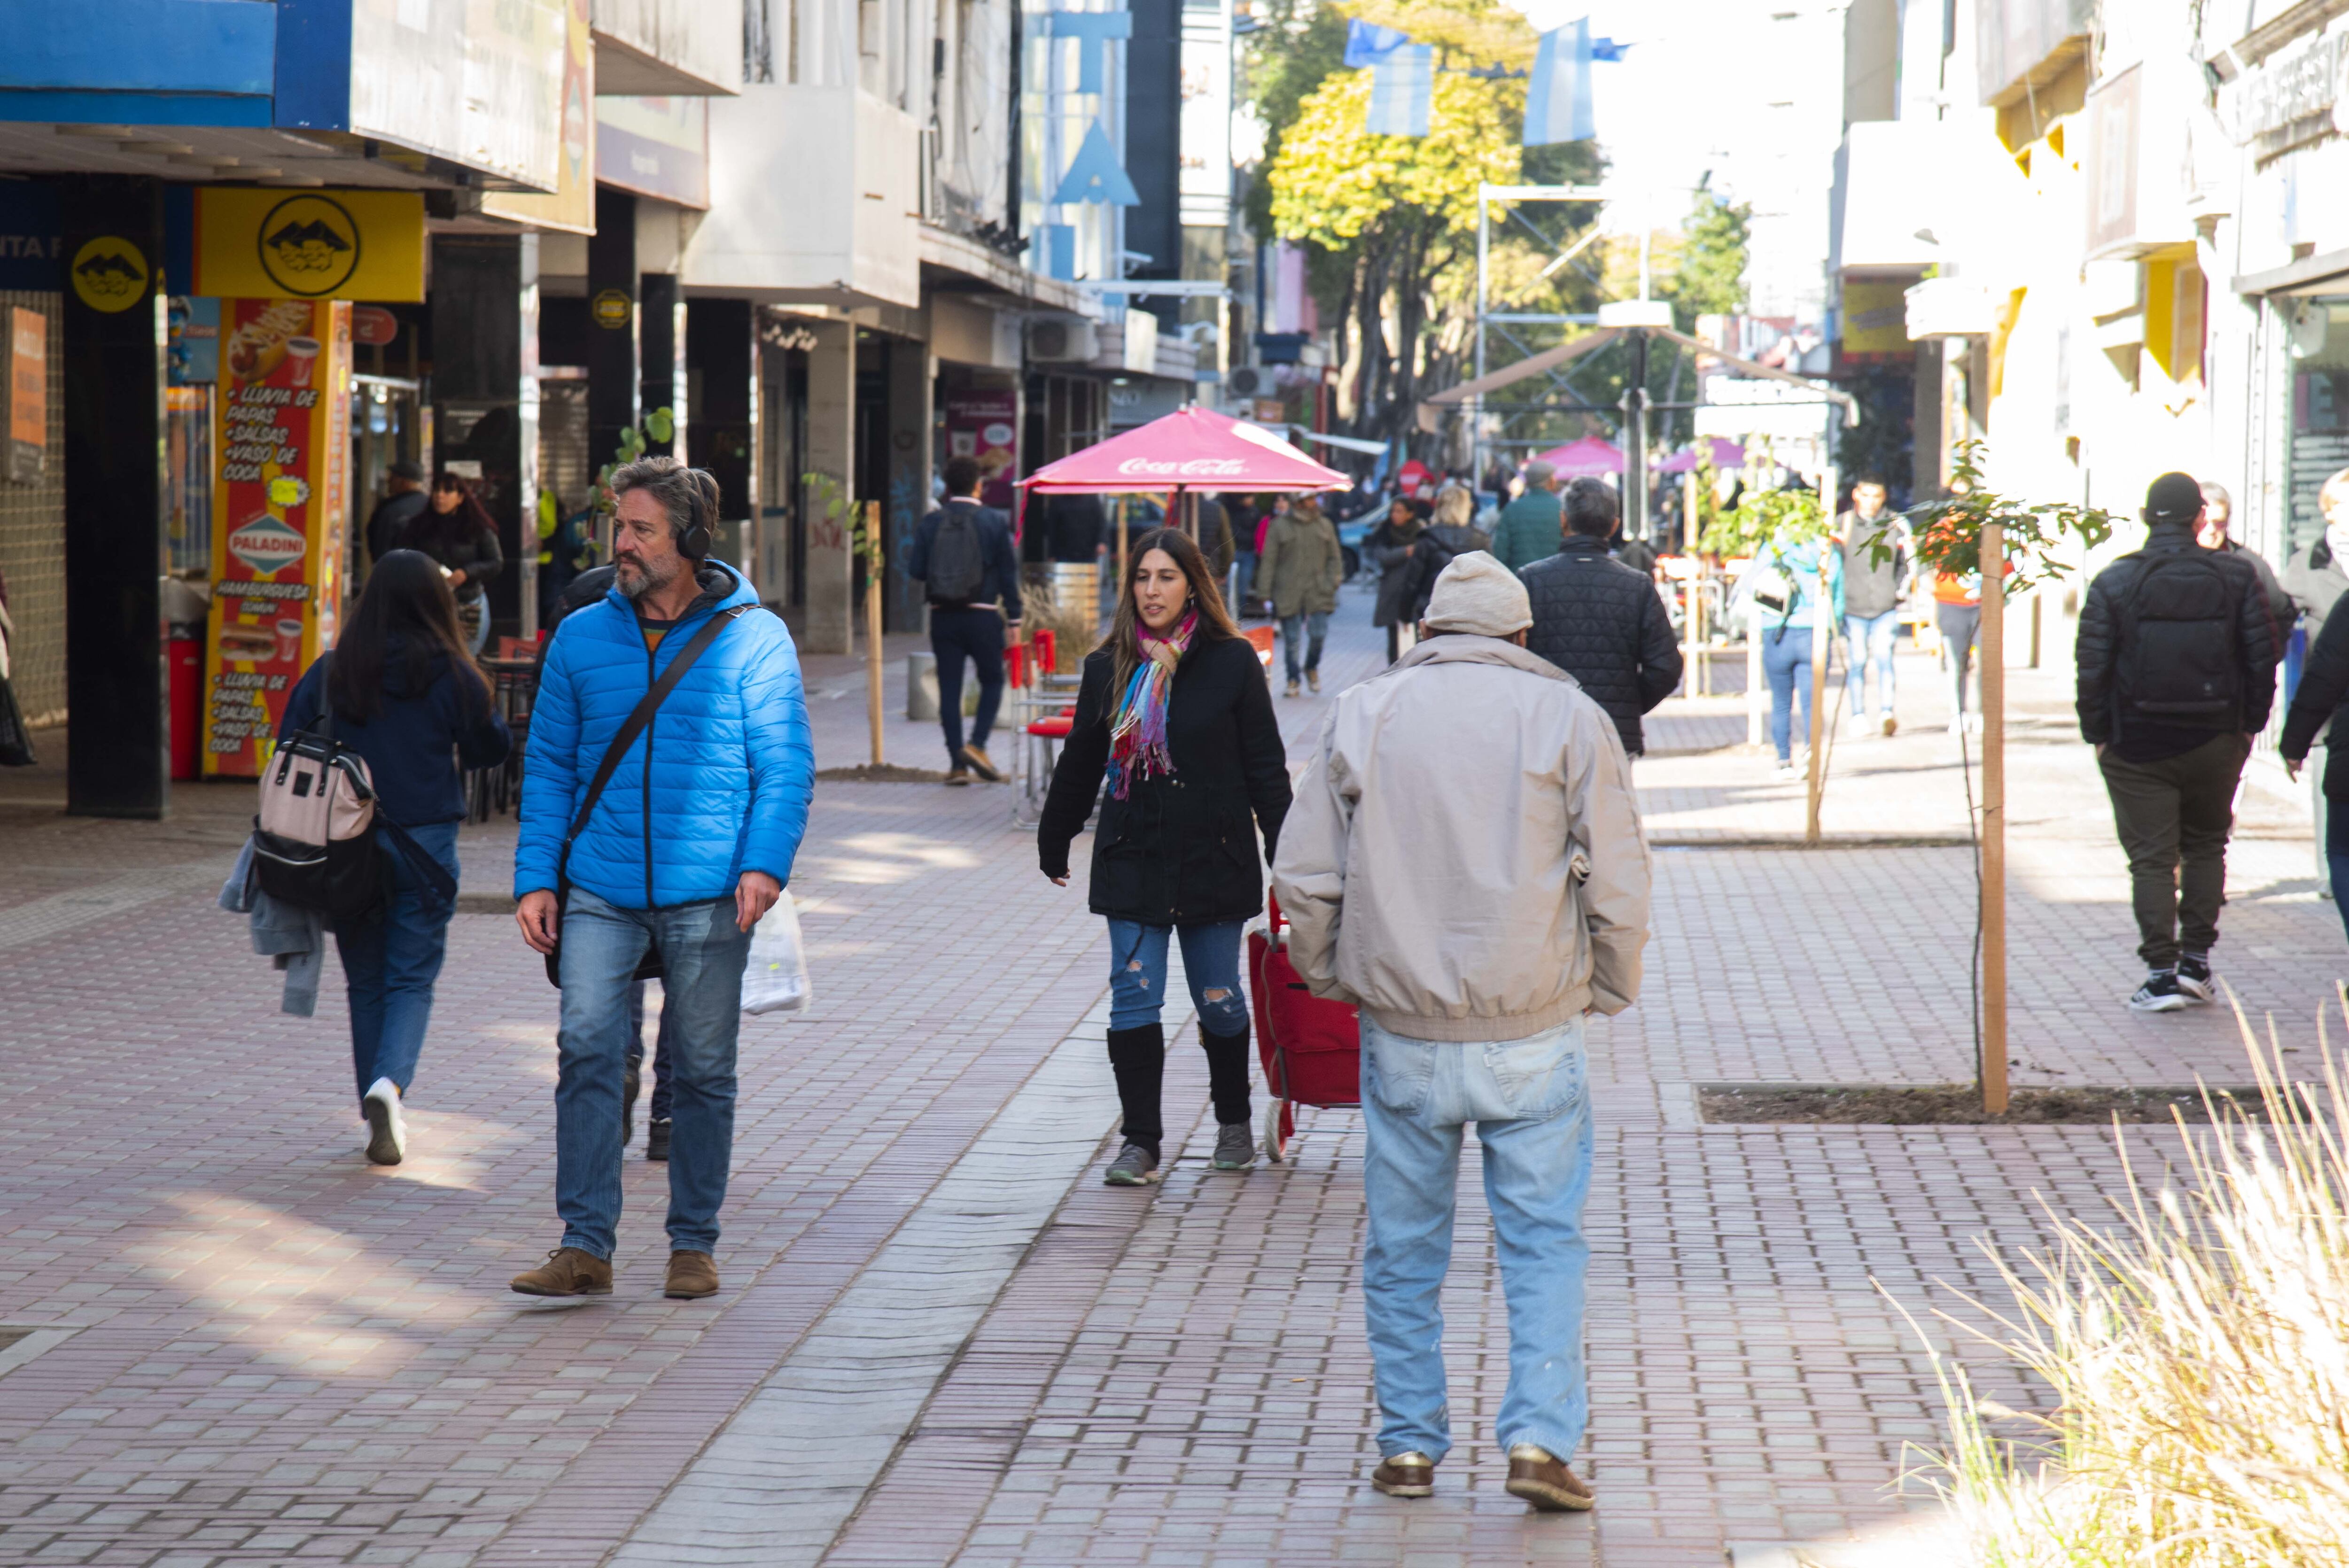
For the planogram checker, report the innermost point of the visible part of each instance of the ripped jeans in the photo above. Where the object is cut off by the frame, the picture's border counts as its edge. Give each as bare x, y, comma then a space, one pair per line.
1137, 1048
1211, 962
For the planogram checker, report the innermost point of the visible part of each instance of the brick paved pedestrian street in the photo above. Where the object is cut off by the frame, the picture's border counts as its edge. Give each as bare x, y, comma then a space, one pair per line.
940, 1339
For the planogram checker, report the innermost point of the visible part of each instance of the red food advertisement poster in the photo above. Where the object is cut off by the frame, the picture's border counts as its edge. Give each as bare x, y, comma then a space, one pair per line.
281, 431
984, 424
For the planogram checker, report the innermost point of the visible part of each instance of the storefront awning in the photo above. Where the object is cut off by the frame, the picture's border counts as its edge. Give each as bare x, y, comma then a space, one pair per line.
2327, 273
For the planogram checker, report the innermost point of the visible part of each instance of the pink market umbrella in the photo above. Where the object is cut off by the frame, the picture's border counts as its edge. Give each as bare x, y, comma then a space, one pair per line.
1588, 458
1190, 449
1726, 454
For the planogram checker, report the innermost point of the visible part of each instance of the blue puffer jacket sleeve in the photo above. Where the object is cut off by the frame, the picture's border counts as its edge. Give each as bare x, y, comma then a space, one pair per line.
782, 757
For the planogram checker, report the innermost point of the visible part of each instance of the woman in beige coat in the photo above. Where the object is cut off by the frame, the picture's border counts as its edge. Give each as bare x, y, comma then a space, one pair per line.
1298, 573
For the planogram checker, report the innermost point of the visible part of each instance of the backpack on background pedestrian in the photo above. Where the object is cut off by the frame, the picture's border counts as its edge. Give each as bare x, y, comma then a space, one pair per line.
666, 793
1811, 575
1394, 547
1173, 713
455, 531
2313, 581
1464, 864
2177, 674
400, 690
1873, 584
1600, 620
963, 557
1298, 573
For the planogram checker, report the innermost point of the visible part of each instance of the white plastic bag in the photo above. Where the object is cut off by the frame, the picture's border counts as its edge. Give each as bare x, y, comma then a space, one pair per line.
775, 980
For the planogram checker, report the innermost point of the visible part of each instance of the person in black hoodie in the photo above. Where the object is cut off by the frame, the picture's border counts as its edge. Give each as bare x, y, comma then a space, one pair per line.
408, 698
2177, 673
1175, 712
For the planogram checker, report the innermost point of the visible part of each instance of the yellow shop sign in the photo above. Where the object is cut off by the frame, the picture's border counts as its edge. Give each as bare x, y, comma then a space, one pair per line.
310, 244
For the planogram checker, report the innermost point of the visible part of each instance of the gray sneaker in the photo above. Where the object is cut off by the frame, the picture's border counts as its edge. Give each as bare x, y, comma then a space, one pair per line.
1134, 1167
1234, 1147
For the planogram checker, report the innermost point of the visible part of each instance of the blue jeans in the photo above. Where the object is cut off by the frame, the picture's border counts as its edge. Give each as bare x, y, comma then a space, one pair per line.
1786, 665
976, 635
390, 962
1869, 640
1211, 962
703, 954
1530, 1103
663, 1057
1307, 627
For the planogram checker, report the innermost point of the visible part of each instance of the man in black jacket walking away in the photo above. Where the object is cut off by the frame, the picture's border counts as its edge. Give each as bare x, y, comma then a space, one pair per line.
1600, 620
965, 558
2177, 673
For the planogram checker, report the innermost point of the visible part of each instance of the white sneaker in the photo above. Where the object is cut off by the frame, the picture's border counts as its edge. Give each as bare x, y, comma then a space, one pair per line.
387, 1129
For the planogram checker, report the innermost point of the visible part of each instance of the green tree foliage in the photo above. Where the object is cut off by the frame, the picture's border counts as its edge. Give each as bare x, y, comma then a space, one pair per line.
1710, 279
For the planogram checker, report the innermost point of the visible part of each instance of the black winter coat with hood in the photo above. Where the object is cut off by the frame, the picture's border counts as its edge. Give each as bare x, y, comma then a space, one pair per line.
1602, 623
1178, 851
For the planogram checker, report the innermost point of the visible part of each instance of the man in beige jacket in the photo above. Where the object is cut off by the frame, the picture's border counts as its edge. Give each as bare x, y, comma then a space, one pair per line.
1463, 862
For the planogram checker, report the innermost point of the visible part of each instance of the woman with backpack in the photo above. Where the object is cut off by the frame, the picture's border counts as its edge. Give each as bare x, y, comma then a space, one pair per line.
401, 691
1175, 716
1796, 584
457, 532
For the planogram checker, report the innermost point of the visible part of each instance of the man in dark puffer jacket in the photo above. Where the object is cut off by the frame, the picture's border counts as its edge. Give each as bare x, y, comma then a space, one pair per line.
1600, 621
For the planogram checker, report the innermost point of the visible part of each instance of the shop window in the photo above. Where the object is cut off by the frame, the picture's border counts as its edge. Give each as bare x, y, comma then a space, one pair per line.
2320, 410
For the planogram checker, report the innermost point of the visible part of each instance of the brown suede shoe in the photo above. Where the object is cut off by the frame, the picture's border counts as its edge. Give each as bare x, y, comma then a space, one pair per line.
567, 1271
1542, 1478
1406, 1475
692, 1276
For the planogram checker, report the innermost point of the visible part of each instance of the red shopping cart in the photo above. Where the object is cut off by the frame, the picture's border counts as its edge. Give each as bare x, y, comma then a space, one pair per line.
1311, 1047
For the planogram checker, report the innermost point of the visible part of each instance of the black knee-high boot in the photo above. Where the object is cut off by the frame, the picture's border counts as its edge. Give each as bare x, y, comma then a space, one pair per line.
1227, 1074
1138, 1057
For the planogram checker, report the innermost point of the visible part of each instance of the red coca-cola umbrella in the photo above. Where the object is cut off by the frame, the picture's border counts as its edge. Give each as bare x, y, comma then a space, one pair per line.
1190, 449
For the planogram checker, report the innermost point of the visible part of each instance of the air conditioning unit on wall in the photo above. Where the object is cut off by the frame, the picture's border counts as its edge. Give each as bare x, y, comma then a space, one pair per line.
1061, 340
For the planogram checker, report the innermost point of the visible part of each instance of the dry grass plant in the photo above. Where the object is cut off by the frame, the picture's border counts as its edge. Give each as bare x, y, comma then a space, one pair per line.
1076, 629
2198, 1353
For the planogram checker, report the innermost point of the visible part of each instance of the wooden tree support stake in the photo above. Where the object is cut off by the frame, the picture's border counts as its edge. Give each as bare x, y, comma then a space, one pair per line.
1994, 815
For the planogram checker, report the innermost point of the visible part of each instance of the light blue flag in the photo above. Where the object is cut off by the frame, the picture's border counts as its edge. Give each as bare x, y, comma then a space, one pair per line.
1403, 92
1558, 99
1367, 44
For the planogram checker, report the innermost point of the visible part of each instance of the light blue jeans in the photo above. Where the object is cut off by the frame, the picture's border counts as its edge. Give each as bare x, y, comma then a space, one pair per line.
702, 955
1869, 640
1530, 1102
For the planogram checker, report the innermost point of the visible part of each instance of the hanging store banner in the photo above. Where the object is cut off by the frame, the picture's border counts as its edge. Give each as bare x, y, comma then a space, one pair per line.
282, 433
656, 146
476, 83
571, 207
309, 244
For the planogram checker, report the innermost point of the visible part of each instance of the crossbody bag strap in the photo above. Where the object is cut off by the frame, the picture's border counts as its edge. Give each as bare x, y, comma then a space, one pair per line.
647, 706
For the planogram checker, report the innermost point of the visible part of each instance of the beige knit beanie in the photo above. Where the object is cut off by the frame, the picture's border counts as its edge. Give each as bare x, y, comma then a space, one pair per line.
1478, 595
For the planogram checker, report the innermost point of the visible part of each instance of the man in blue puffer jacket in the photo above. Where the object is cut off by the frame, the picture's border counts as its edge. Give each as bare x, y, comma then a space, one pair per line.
691, 842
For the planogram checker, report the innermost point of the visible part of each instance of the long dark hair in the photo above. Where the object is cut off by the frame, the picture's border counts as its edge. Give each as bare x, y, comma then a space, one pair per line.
1124, 639
434, 530
406, 597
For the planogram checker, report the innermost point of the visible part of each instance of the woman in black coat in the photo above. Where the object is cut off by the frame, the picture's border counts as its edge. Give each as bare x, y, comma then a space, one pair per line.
456, 531
1175, 716
1395, 546
2323, 694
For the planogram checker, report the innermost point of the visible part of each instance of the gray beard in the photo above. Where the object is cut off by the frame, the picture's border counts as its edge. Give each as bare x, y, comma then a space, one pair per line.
637, 582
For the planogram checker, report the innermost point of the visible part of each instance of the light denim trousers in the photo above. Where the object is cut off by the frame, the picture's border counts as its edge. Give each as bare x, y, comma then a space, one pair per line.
702, 955
1868, 640
1530, 1102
